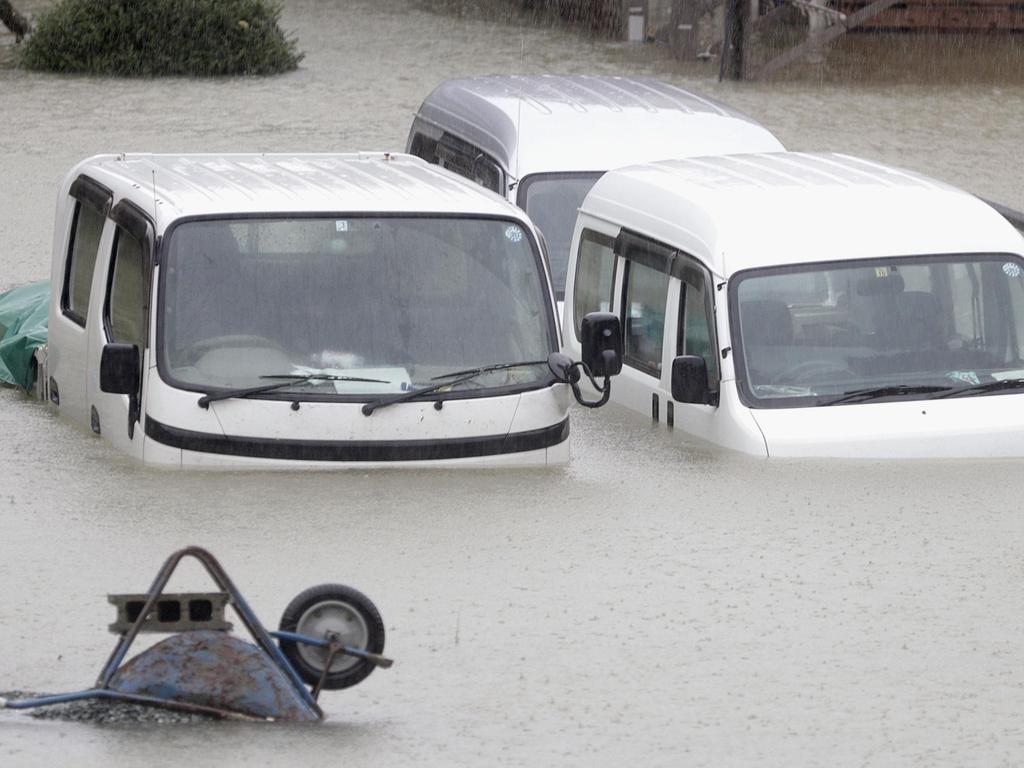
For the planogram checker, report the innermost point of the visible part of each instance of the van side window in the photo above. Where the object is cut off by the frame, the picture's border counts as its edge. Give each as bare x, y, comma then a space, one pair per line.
424, 147
463, 158
487, 174
86, 229
696, 324
595, 276
646, 293
128, 292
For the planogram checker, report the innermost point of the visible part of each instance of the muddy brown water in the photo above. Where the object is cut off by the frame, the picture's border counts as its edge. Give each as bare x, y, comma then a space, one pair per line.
654, 602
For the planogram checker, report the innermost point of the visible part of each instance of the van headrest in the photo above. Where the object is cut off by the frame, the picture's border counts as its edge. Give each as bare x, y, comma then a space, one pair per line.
888, 284
212, 240
766, 322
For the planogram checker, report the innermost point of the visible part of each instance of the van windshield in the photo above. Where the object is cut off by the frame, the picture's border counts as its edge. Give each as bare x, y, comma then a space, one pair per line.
910, 328
552, 201
374, 305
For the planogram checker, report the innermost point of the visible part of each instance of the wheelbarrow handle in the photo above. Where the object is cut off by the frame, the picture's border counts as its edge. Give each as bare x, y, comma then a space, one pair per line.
374, 658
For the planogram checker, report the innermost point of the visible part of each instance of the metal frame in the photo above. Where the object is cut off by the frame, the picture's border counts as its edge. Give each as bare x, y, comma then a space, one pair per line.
260, 635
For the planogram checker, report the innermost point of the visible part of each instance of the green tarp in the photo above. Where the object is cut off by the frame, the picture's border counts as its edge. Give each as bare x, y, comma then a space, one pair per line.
24, 312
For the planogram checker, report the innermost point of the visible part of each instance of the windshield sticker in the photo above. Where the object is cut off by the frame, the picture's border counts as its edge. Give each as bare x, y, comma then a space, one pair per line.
341, 226
1011, 270
881, 271
513, 233
966, 377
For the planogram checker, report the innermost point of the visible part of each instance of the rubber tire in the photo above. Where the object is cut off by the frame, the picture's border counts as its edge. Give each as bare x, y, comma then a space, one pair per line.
355, 599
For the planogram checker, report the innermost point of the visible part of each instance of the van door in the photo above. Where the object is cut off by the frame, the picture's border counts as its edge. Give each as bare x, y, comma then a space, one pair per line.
667, 309
694, 334
592, 286
646, 303
68, 346
125, 320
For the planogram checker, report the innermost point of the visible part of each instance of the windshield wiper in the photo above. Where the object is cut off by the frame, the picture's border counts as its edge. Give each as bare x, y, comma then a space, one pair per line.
291, 378
456, 377
874, 393
486, 368
988, 386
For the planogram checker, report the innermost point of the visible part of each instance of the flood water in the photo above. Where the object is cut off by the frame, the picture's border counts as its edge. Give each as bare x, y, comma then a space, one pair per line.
654, 602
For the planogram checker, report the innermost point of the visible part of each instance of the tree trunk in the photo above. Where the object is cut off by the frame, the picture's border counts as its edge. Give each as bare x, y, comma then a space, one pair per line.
734, 42
13, 20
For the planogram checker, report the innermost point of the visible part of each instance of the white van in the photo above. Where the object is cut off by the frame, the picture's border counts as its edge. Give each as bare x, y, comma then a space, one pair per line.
542, 141
807, 305
292, 310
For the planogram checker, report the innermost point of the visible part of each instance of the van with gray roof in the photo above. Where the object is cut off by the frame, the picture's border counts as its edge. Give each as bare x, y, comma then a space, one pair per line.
542, 141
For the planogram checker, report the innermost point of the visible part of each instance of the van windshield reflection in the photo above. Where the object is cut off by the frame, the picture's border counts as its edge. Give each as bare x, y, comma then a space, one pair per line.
552, 201
355, 306
870, 331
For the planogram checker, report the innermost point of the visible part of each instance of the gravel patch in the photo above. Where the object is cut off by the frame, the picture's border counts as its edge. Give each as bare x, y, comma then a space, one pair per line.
106, 711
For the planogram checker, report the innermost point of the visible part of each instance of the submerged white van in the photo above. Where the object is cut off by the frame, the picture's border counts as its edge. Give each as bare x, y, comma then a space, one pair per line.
807, 305
294, 310
542, 141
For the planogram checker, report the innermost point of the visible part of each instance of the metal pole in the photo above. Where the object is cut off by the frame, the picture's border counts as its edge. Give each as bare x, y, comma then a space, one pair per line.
733, 41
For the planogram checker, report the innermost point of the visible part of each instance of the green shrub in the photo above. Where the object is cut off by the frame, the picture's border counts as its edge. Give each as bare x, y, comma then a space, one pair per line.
161, 37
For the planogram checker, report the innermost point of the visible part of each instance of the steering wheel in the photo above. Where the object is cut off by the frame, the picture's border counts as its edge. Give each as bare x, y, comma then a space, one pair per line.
813, 369
194, 352
386, 354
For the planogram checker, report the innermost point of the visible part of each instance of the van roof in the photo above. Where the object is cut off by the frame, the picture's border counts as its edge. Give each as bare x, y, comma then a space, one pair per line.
216, 184
746, 211
532, 123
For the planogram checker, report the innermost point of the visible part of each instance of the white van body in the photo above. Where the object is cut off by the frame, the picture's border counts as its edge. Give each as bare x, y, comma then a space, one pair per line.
376, 272
542, 141
839, 307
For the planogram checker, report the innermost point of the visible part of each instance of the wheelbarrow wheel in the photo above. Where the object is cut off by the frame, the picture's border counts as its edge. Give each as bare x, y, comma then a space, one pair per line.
332, 608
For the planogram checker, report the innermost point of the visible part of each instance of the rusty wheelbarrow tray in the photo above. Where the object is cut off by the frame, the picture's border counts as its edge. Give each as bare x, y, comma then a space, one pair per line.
331, 636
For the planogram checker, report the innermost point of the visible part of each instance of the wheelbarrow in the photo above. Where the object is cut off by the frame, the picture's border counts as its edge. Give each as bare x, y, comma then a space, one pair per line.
330, 637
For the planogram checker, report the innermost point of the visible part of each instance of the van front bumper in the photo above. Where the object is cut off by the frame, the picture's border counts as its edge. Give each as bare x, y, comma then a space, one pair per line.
531, 447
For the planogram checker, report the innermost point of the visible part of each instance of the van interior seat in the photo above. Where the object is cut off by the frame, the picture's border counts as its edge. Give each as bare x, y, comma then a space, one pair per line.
212, 290
360, 321
920, 318
911, 320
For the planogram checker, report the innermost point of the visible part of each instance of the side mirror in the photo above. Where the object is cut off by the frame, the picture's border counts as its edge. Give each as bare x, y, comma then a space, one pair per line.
690, 379
119, 369
563, 368
601, 341
601, 337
